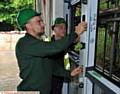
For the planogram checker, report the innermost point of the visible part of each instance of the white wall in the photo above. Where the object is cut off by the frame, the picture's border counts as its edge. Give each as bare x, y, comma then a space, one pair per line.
58, 8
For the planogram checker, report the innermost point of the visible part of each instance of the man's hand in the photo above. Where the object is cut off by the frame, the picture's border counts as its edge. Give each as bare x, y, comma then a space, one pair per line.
80, 28
77, 71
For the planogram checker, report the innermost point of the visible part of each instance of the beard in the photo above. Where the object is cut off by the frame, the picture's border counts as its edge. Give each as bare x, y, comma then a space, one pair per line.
39, 31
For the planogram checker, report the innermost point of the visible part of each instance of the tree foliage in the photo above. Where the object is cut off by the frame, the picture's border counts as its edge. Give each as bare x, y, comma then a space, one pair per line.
10, 8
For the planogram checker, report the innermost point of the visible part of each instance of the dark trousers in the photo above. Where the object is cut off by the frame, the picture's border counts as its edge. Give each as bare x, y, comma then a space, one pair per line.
57, 84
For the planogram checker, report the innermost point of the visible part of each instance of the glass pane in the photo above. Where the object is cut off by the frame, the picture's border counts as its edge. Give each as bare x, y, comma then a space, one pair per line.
98, 90
108, 41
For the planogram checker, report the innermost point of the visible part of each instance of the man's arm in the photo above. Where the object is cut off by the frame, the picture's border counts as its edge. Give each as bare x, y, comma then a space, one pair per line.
44, 49
66, 74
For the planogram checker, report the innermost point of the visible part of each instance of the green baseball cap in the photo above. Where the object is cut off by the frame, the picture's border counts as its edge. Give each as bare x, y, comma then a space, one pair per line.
25, 15
58, 21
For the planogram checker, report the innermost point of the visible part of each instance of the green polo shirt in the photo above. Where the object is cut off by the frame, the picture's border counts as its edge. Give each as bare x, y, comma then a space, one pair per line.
35, 63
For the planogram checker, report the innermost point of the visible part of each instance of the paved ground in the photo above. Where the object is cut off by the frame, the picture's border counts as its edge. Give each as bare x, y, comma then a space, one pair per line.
9, 78
20, 92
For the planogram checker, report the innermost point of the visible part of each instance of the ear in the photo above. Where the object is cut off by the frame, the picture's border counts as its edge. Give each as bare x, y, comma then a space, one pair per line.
55, 28
28, 26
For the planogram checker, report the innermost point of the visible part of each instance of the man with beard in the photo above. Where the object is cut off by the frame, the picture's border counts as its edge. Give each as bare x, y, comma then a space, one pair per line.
34, 55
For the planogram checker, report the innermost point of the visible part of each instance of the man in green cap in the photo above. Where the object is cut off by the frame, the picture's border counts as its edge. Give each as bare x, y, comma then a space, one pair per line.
59, 31
34, 55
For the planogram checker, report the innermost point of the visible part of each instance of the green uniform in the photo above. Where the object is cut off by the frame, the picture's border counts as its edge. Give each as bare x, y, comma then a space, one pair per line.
58, 69
35, 63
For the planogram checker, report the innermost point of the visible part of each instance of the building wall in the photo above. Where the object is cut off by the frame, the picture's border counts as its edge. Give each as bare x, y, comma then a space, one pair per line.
50, 9
8, 40
9, 71
58, 8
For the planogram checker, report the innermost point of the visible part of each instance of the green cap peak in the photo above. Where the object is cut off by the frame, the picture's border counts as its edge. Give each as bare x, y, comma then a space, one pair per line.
25, 15
59, 21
